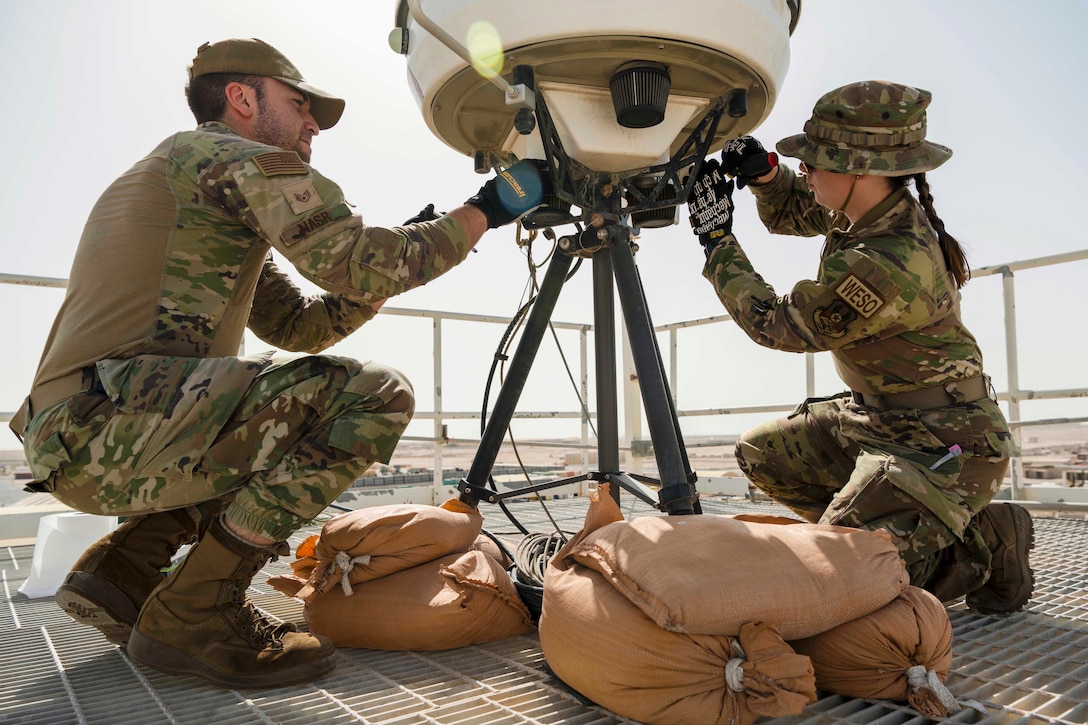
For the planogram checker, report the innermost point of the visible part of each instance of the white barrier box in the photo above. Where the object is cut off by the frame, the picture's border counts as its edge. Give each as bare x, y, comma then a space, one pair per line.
62, 538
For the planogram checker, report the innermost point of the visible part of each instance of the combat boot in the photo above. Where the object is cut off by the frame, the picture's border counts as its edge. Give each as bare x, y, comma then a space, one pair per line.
1009, 533
110, 581
198, 622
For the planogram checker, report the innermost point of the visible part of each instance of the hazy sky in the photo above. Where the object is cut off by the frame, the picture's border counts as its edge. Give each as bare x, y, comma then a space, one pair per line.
93, 86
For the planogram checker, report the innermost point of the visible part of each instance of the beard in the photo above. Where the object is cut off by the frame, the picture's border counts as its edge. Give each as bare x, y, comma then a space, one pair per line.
271, 130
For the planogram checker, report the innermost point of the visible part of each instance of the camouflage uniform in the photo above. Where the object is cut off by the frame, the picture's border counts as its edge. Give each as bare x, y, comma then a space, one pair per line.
883, 303
140, 403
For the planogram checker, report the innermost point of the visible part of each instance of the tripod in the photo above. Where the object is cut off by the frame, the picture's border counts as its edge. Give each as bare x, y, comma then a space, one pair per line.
609, 245
608, 242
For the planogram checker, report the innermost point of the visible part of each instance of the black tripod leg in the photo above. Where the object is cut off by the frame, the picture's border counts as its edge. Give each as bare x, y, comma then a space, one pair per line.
520, 364
604, 353
677, 494
690, 476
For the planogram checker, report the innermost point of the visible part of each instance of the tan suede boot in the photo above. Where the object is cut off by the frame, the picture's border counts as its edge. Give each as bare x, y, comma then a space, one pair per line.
110, 581
198, 622
1010, 535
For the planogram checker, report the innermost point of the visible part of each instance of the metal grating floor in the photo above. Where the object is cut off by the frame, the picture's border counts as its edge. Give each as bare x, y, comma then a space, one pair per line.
1029, 667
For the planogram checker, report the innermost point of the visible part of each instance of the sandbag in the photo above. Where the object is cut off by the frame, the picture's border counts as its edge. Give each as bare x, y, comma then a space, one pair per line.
365, 544
901, 652
455, 601
603, 646
765, 518
488, 545
712, 574
301, 569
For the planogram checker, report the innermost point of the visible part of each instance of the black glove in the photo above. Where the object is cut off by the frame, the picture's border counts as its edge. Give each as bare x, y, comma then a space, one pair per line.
745, 159
427, 214
710, 208
513, 192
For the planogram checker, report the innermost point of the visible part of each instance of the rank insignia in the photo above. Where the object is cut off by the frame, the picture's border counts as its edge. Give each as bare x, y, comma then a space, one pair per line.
302, 196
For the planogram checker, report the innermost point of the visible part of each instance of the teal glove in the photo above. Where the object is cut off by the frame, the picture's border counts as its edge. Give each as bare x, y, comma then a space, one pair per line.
512, 193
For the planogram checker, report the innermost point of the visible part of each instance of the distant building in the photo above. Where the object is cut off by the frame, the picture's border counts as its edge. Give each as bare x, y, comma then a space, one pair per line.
1072, 473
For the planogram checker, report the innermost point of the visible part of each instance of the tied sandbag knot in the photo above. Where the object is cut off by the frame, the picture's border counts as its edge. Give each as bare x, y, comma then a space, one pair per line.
346, 562
734, 674
931, 698
734, 669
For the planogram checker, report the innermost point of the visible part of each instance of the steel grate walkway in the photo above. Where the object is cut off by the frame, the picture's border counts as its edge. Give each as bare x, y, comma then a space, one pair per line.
1030, 667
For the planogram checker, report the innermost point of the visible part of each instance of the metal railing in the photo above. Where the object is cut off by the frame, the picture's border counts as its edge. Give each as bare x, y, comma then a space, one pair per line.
1014, 395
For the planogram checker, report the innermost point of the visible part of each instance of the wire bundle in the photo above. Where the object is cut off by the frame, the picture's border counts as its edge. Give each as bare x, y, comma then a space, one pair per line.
533, 554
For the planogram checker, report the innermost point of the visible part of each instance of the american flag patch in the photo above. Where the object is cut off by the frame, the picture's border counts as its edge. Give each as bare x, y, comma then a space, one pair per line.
280, 163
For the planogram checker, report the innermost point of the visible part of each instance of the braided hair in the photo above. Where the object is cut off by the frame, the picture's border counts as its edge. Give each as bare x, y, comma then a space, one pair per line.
954, 256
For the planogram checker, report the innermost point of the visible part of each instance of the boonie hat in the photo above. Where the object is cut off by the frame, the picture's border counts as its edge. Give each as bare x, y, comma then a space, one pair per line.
258, 58
871, 127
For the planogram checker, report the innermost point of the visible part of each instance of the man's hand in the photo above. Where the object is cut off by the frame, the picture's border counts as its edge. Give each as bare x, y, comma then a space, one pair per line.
745, 159
710, 209
512, 193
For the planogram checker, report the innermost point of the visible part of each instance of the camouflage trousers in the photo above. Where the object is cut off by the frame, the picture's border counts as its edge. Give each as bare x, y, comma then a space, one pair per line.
279, 436
835, 462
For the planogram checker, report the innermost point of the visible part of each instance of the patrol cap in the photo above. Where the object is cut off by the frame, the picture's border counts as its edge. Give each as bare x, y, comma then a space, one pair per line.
870, 127
258, 58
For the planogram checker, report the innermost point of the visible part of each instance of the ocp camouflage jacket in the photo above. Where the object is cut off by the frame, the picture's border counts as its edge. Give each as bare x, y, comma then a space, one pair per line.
883, 301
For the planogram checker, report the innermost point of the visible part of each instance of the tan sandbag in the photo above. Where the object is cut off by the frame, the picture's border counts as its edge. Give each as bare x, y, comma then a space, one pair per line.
901, 652
291, 584
603, 510
455, 601
365, 544
765, 518
711, 574
487, 545
603, 646
301, 568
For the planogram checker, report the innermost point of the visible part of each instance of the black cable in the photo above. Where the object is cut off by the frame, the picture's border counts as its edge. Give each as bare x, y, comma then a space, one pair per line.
500, 357
533, 554
499, 543
535, 286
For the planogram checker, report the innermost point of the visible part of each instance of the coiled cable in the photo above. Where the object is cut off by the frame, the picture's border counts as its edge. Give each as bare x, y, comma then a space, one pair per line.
533, 554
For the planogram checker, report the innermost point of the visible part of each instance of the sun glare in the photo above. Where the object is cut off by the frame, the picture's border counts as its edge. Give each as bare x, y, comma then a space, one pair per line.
485, 49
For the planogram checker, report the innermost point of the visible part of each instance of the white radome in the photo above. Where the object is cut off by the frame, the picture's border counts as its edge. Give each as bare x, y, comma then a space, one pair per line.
574, 48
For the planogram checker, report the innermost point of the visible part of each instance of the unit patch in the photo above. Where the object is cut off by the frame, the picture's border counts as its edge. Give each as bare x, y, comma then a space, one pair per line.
832, 321
302, 196
280, 163
860, 296
311, 224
